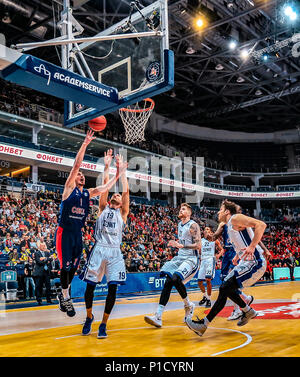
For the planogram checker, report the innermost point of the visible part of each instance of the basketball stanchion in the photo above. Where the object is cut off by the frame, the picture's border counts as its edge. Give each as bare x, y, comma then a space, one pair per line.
135, 118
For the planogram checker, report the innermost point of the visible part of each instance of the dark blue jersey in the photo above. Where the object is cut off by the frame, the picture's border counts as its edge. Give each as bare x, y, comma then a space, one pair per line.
74, 210
226, 240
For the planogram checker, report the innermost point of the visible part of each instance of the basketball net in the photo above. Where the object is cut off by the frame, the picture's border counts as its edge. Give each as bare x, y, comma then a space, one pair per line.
135, 118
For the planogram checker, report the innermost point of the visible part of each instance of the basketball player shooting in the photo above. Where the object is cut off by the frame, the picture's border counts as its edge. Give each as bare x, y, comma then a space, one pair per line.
74, 210
106, 257
248, 271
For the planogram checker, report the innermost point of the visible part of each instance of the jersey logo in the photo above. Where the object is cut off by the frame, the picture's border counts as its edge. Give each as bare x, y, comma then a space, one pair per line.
78, 210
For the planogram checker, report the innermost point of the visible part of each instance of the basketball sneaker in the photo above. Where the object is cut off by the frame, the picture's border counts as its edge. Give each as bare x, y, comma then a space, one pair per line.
102, 331
236, 314
69, 307
245, 318
153, 320
61, 302
208, 304
86, 330
197, 326
189, 311
203, 301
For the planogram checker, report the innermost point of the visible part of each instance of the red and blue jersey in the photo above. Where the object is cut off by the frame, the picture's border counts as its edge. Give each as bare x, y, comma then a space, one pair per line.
74, 210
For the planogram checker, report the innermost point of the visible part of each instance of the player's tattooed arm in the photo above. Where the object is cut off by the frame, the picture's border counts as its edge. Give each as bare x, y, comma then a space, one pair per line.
196, 237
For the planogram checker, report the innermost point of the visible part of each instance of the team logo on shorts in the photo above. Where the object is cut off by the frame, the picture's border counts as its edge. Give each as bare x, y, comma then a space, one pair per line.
153, 71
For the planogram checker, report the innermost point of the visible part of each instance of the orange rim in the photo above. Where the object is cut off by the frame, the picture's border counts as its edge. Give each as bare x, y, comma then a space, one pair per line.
140, 110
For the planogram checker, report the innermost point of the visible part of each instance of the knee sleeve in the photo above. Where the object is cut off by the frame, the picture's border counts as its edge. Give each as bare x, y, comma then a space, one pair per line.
230, 288
177, 282
89, 295
166, 291
111, 298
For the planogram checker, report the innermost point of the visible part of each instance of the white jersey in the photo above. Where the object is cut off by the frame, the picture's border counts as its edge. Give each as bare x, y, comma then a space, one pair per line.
241, 239
109, 227
207, 249
185, 238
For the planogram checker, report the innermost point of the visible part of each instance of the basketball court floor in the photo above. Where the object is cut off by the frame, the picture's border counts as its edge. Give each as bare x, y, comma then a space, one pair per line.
44, 331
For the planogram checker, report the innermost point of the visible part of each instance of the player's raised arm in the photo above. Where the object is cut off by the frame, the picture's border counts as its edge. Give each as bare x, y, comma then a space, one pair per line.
70, 182
106, 187
125, 190
107, 162
218, 232
219, 248
241, 222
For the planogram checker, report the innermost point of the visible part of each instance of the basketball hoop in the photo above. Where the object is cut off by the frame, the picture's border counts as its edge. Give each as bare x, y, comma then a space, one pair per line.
135, 118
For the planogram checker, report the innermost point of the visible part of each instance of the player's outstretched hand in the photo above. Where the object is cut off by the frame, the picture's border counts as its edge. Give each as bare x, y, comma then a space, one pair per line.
108, 156
89, 137
120, 164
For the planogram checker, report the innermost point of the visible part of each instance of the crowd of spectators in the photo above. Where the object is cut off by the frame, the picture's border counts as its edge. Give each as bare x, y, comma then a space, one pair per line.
28, 103
26, 221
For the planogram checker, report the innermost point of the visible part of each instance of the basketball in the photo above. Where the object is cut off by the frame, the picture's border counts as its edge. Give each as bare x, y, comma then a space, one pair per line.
98, 124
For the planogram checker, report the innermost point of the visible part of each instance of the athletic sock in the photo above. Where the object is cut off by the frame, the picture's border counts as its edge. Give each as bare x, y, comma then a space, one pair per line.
244, 297
246, 309
159, 311
65, 293
187, 302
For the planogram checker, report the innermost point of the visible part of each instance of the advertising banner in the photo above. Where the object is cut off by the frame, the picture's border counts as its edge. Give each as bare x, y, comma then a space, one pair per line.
139, 282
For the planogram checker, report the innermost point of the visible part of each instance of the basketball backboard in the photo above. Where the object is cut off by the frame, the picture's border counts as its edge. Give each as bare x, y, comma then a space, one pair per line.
137, 67
118, 67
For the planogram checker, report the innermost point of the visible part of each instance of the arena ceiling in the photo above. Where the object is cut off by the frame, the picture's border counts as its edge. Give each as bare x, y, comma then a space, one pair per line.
214, 86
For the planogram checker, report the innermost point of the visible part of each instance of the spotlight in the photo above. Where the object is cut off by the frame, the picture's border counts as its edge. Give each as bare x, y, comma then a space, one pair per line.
244, 54
199, 22
290, 12
265, 57
232, 45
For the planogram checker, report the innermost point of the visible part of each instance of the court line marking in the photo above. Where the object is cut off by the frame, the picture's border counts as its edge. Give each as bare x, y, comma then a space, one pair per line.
248, 341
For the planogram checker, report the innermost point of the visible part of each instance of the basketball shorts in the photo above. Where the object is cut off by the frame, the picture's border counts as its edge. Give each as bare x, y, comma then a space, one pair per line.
207, 269
104, 260
248, 273
227, 264
68, 248
185, 267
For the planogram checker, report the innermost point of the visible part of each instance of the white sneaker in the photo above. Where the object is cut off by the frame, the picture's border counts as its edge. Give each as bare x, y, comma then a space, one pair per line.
189, 311
153, 320
236, 314
245, 318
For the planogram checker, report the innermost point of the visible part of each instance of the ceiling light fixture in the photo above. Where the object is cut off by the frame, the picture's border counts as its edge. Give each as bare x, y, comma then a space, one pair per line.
244, 54
219, 67
190, 50
232, 45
